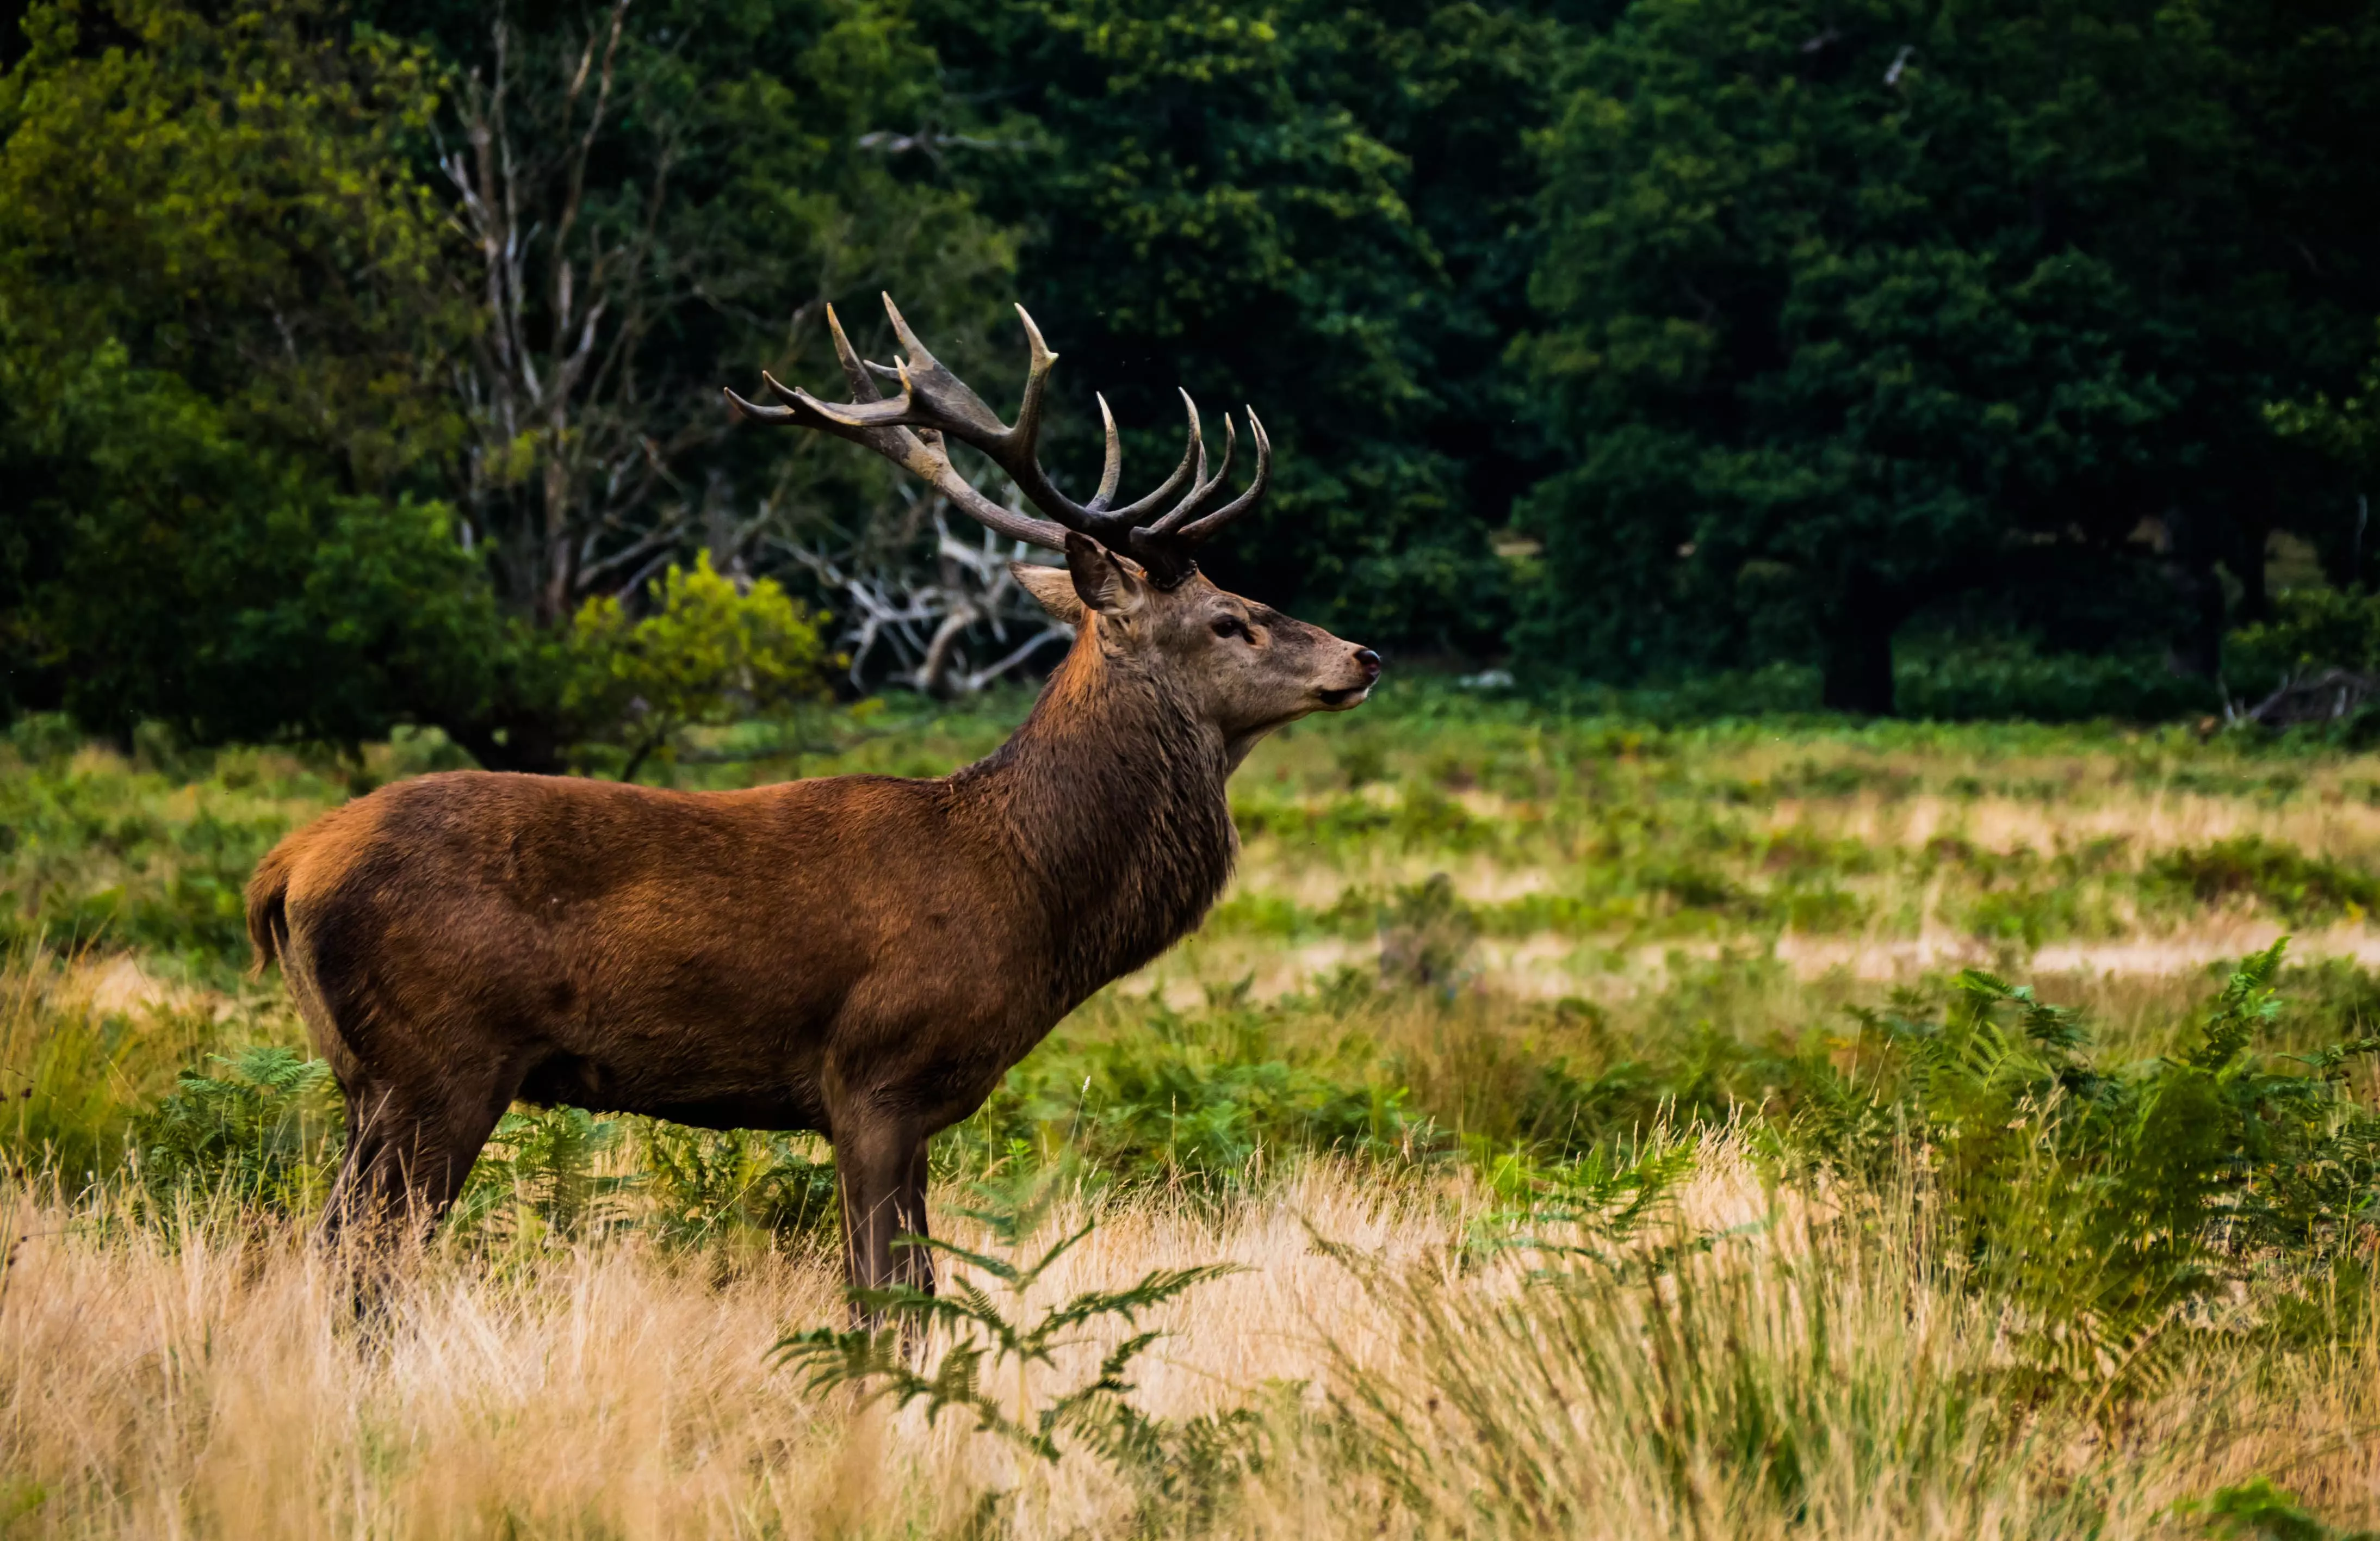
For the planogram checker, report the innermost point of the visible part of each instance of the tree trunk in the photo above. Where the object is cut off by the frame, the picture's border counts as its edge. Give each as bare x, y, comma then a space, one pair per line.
2197, 648
2255, 594
1858, 673
1858, 659
511, 743
2197, 651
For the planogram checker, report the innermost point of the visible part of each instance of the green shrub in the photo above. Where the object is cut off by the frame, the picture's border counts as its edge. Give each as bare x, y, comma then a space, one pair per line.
1985, 682
258, 1134
542, 1174
2301, 890
2102, 1199
703, 1186
2312, 629
710, 650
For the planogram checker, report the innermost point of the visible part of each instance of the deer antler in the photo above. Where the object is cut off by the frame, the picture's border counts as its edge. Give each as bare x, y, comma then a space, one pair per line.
935, 405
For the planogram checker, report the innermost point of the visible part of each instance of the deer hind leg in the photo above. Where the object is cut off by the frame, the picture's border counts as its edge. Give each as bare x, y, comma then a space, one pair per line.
409, 1151
360, 1195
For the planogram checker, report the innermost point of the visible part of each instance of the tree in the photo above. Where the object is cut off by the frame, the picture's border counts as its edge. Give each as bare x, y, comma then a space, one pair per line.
955, 628
190, 578
1856, 308
446, 315
2346, 431
655, 211
1318, 210
2307, 88
657, 202
221, 334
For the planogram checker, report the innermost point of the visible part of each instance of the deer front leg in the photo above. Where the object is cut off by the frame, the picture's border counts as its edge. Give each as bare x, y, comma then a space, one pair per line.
916, 1263
873, 1160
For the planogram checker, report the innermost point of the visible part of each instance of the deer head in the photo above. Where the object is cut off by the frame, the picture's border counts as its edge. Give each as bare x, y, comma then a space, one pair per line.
1131, 586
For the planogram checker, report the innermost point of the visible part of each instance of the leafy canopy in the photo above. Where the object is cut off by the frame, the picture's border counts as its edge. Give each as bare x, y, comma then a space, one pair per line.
221, 403
1320, 211
1852, 309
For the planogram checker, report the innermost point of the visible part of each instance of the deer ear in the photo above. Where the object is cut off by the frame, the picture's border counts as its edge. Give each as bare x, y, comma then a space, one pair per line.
1053, 587
1103, 580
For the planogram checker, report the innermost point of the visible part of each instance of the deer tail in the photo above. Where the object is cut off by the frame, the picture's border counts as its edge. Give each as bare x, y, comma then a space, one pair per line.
268, 905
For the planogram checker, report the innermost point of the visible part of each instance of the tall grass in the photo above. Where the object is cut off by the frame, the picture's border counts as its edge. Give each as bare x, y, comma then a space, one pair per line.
1817, 1370
1760, 1362
1572, 1126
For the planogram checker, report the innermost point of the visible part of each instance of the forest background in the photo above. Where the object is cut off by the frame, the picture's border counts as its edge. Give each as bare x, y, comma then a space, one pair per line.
359, 364
1608, 1102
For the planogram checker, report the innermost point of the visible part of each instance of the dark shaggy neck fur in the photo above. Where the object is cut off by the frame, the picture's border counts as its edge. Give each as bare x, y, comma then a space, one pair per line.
1113, 792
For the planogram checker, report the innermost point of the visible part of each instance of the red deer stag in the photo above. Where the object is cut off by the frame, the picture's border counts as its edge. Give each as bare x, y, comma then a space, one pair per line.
865, 956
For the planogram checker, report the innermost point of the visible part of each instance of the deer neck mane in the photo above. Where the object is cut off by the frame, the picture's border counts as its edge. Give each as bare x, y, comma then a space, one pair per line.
1112, 795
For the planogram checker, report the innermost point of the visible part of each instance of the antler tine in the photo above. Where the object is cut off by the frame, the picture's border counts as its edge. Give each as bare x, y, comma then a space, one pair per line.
1194, 458
909, 429
854, 369
885, 427
753, 410
1204, 492
934, 400
940, 399
1192, 534
1020, 451
1110, 463
908, 338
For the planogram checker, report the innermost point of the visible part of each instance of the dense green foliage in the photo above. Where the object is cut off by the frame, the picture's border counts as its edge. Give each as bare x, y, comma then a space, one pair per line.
347, 350
1858, 312
706, 652
252, 1130
221, 344
298, 445
1318, 209
2104, 1197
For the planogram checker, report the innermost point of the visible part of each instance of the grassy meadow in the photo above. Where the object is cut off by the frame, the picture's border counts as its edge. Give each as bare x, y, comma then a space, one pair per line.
1569, 1124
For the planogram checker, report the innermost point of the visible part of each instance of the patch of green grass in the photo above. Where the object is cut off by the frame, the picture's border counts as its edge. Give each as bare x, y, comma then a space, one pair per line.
2032, 915
2300, 888
96, 849
75, 1079
1205, 1101
1631, 831
1822, 911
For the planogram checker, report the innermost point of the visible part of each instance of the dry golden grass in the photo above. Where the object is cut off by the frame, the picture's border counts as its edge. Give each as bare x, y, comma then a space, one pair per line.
223, 1386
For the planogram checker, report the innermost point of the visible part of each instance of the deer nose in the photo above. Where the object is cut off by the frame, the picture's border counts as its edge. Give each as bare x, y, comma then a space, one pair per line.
1370, 661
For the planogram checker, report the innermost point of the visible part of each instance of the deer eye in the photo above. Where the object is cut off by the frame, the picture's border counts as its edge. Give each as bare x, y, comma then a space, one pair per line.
1231, 625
